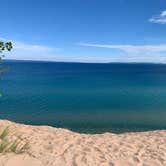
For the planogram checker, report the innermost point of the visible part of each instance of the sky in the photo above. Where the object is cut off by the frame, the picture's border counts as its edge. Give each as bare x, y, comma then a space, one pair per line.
85, 30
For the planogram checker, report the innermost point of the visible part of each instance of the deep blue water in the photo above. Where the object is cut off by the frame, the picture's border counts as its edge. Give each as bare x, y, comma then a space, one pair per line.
85, 97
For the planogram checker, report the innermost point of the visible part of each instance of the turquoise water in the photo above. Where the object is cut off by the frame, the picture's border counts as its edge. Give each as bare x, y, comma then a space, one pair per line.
91, 98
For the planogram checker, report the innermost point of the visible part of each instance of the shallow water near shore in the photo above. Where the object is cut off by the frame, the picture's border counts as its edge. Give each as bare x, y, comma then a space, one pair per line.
90, 98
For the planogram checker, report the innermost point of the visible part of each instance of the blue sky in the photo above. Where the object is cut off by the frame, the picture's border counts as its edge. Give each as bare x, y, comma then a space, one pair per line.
85, 30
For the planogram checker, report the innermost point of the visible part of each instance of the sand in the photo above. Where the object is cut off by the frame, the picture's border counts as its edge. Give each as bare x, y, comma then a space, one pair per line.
51, 146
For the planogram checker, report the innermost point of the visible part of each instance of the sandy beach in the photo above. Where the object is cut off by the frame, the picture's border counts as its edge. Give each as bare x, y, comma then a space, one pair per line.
51, 146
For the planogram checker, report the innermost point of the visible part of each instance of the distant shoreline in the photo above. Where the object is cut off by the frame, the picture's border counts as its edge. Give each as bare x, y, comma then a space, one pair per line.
44, 61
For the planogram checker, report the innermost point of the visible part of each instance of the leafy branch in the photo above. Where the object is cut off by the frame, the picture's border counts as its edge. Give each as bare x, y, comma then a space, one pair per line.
4, 46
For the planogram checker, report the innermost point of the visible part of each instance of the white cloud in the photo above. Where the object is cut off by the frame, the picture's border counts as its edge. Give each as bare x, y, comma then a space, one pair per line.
126, 53
23, 51
163, 13
161, 19
135, 49
135, 53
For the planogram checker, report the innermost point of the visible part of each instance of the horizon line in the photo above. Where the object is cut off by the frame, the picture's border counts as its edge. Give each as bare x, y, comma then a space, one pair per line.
83, 62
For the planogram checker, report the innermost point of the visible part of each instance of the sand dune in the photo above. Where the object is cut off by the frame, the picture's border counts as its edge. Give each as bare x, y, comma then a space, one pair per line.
60, 147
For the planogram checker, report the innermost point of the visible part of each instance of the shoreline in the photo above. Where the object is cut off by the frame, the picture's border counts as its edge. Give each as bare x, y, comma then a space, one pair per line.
50, 146
6, 121
82, 62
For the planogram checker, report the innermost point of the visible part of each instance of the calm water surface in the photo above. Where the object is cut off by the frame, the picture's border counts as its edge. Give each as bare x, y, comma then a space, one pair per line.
85, 97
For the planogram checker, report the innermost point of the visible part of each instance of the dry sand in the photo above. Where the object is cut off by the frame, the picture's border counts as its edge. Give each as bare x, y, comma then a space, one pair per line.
51, 146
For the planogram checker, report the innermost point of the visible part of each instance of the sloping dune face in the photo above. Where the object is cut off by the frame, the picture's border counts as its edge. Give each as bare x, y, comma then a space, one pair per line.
60, 147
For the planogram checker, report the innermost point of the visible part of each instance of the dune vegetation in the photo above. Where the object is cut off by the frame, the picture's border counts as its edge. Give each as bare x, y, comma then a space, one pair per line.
12, 142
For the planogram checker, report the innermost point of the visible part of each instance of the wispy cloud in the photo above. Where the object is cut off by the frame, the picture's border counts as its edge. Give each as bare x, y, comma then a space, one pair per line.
160, 19
126, 53
135, 53
24, 51
131, 49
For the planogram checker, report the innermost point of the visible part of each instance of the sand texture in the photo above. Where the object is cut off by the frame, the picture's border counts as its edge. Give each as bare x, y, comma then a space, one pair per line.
51, 146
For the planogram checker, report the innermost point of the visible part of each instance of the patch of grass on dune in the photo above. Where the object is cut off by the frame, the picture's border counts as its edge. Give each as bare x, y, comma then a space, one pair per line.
10, 142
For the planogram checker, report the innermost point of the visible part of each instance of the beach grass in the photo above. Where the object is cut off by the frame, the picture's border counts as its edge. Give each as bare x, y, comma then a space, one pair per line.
11, 142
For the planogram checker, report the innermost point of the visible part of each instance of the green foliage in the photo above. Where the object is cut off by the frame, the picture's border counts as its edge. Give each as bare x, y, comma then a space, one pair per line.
4, 46
8, 47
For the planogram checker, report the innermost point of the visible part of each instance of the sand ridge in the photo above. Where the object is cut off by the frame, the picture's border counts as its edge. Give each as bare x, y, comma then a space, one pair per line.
50, 146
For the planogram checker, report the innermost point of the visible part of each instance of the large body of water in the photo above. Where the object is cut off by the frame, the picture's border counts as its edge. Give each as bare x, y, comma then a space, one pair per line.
85, 97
